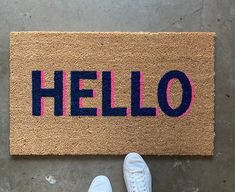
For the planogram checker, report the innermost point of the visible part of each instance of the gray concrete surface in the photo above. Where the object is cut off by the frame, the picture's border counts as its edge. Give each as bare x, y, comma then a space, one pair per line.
171, 174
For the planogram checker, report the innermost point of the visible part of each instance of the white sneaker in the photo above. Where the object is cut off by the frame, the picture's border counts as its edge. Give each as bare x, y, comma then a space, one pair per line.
100, 184
136, 174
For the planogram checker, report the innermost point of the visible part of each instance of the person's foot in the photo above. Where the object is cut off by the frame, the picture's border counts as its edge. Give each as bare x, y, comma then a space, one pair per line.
136, 174
100, 184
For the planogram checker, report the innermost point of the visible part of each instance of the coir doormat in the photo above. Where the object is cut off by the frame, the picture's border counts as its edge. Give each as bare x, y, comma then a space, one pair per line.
111, 93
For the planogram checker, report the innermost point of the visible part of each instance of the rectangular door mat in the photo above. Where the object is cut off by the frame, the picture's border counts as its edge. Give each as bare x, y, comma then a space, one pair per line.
111, 93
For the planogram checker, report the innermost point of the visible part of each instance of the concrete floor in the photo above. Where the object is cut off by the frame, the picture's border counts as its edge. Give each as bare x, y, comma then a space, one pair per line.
173, 174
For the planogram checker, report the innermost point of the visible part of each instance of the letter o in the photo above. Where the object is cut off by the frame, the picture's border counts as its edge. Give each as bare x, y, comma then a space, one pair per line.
186, 97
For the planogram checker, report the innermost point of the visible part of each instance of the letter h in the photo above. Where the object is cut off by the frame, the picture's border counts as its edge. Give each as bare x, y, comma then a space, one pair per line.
39, 92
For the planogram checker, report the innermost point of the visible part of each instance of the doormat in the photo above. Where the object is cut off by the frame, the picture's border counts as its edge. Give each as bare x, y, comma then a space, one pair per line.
77, 93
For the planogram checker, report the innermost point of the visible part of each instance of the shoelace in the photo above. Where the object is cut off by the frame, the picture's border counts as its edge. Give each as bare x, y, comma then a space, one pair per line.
138, 182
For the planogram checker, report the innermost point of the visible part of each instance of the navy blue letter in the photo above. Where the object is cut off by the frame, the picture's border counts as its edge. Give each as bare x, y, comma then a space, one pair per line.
136, 108
107, 108
77, 93
186, 98
38, 92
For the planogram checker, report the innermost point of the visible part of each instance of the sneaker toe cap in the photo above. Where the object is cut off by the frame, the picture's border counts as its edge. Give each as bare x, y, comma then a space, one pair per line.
100, 183
134, 162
